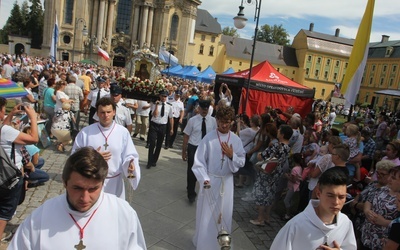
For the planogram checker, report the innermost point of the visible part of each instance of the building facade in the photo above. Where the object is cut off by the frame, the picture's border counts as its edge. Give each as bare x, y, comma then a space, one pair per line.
119, 27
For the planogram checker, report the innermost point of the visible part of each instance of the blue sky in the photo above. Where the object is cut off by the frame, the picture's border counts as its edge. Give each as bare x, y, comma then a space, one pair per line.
297, 14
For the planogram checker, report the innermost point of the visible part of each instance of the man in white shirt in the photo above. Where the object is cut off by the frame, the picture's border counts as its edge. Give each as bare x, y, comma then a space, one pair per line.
123, 115
192, 136
142, 119
178, 111
161, 114
321, 225
95, 95
83, 217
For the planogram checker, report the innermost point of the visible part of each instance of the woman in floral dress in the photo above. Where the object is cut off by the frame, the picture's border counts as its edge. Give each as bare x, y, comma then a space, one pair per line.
267, 183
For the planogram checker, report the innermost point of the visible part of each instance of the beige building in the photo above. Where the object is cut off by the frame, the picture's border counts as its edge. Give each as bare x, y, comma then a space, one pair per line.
322, 59
380, 83
119, 27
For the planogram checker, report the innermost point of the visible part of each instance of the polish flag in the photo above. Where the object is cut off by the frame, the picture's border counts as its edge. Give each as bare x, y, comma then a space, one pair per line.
101, 52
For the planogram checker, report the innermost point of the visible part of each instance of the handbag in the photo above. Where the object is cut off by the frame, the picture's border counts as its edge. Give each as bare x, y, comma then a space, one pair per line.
268, 165
9, 173
72, 127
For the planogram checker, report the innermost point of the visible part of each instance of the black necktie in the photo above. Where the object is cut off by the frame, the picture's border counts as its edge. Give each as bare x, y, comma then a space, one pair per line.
203, 128
98, 96
162, 110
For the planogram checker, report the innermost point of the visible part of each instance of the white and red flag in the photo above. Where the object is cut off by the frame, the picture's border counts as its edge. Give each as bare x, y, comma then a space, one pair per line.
101, 52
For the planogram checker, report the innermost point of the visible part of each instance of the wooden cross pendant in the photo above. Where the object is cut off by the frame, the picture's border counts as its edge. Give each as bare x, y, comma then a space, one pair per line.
105, 145
80, 246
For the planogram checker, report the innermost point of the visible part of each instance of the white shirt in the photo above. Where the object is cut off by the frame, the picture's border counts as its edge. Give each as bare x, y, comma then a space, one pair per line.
130, 101
167, 113
228, 99
114, 225
93, 96
193, 128
123, 114
307, 231
143, 112
60, 95
177, 108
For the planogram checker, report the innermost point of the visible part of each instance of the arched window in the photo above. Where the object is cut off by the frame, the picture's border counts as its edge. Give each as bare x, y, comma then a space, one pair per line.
201, 50
174, 27
124, 16
69, 11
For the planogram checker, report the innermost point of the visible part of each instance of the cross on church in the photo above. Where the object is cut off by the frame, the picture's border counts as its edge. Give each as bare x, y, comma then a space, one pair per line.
80, 246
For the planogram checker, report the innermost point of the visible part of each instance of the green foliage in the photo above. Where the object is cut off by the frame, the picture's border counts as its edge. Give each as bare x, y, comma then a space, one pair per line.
273, 34
230, 31
35, 23
26, 20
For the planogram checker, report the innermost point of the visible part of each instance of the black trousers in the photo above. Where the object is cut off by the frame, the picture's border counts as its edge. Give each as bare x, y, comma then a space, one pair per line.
191, 178
169, 139
155, 139
92, 111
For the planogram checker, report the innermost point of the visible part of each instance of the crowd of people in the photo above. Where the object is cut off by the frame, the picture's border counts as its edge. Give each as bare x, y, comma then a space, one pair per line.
344, 181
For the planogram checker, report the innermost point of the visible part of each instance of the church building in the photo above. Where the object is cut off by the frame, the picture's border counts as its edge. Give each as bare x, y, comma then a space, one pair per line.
119, 27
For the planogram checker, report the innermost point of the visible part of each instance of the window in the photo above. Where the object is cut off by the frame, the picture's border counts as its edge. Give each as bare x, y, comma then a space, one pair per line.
124, 16
319, 60
326, 74
373, 67
309, 58
366, 97
174, 26
384, 68
337, 63
201, 50
371, 80
213, 39
230, 62
328, 62
323, 92
382, 80
240, 63
334, 76
316, 72
211, 51
69, 11
66, 39
389, 51
394, 68
277, 69
391, 82
345, 65
203, 37
307, 71
294, 72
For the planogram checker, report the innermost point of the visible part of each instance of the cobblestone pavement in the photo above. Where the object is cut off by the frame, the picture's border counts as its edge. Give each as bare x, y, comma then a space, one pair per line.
167, 218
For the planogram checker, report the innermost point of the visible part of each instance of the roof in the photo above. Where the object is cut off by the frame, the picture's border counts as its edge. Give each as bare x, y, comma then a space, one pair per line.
241, 48
207, 23
378, 49
391, 92
329, 38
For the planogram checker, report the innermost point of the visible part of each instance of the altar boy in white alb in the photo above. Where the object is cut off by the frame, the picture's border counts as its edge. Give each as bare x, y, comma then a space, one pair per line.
115, 144
321, 225
84, 217
219, 155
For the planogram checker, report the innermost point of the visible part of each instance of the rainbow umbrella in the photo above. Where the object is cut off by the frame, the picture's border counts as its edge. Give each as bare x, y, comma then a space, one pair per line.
9, 89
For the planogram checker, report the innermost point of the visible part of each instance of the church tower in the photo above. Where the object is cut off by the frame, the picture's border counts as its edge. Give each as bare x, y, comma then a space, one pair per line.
119, 27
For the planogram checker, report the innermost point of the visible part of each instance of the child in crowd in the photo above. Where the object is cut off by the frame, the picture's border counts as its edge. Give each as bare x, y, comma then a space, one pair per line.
294, 178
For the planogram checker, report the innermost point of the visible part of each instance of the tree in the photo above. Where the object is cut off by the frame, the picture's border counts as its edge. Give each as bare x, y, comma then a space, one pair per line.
230, 31
13, 24
35, 23
273, 34
25, 17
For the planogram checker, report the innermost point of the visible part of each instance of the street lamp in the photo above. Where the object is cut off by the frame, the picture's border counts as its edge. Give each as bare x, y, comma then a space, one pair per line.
84, 33
239, 22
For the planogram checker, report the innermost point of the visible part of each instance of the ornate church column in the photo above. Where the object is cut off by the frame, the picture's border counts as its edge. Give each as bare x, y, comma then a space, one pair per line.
149, 26
135, 28
95, 14
101, 20
110, 21
143, 28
